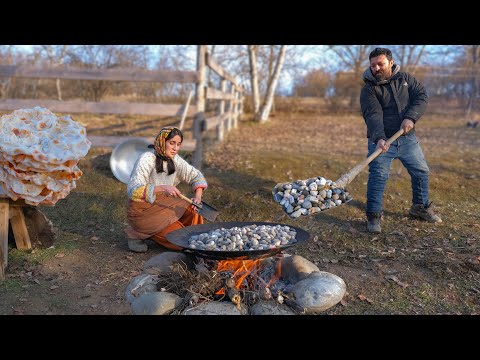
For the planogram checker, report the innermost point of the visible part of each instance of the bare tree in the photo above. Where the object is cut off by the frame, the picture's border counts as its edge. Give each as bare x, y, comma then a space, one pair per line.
355, 59
262, 115
56, 56
6, 58
409, 56
472, 57
107, 57
175, 57
252, 57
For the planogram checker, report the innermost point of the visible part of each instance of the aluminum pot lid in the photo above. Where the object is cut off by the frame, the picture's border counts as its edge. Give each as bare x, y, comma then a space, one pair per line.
124, 156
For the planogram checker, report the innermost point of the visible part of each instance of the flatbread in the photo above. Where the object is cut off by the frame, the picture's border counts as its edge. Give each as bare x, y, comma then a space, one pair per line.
39, 153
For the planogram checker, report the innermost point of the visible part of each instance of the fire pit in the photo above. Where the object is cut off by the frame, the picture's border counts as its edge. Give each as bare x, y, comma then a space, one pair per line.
255, 282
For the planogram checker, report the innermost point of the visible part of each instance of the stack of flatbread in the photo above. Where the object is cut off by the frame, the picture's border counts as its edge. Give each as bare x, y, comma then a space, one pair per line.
39, 153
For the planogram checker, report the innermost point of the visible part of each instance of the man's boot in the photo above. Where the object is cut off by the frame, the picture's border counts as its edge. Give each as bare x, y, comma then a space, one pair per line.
138, 246
373, 222
425, 213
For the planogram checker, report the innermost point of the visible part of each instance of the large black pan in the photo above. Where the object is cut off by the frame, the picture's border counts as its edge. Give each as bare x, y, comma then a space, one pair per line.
180, 238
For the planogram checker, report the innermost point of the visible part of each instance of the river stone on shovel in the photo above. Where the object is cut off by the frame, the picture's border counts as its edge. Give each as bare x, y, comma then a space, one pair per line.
310, 196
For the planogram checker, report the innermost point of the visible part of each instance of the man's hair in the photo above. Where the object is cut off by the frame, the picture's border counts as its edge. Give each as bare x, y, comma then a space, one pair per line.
381, 51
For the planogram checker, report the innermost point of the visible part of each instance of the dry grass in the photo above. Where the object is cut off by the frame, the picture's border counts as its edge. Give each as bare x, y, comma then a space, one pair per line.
411, 268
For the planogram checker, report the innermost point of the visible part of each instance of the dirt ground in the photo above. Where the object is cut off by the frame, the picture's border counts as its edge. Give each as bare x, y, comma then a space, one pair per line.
412, 267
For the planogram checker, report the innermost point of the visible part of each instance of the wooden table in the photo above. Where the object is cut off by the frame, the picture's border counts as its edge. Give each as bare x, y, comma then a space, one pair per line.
12, 211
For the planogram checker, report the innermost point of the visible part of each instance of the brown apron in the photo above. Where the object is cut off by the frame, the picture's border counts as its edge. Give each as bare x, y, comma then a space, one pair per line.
157, 220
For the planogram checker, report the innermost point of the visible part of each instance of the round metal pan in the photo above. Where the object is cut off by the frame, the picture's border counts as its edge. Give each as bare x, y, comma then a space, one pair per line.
180, 238
125, 155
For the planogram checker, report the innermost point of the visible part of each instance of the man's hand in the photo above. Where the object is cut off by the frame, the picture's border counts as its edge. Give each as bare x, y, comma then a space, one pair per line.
407, 125
382, 144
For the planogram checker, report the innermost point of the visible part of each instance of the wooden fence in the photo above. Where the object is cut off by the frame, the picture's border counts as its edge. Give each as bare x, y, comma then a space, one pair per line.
228, 99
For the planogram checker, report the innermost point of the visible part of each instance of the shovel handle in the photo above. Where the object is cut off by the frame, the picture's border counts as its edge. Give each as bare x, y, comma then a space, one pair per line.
388, 142
188, 200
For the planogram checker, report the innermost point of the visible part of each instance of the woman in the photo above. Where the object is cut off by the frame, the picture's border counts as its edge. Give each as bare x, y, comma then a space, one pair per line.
154, 208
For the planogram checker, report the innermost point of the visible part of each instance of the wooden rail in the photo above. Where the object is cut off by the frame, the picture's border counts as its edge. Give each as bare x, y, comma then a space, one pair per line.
112, 141
117, 74
98, 107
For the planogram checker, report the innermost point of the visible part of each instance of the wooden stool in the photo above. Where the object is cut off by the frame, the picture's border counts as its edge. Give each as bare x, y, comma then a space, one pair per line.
13, 211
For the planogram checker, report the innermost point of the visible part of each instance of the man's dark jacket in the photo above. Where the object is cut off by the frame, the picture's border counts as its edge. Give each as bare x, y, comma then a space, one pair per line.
387, 103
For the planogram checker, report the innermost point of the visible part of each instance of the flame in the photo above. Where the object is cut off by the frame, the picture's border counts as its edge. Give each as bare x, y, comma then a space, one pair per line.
242, 268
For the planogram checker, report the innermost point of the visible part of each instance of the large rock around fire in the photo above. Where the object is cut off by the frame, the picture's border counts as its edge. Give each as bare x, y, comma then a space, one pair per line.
163, 262
156, 303
215, 308
270, 308
140, 284
318, 292
296, 268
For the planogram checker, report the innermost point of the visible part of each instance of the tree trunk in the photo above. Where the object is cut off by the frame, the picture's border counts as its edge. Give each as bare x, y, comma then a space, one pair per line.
262, 115
252, 57
473, 80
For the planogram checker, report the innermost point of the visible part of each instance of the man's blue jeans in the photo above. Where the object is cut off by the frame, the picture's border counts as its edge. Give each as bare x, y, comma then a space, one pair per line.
408, 151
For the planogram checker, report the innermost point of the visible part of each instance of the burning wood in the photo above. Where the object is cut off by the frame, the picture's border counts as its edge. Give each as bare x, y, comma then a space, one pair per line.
232, 292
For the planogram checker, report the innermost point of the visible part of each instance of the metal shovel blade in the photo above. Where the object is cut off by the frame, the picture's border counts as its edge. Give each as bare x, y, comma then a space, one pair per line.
207, 211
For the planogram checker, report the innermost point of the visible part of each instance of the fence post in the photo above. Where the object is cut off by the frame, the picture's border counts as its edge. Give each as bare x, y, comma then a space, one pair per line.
201, 70
185, 111
221, 112
199, 117
242, 98
221, 109
4, 206
198, 120
231, 104
235, 112
220, 131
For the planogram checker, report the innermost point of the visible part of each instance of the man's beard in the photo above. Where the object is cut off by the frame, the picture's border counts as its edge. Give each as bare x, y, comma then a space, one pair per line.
383, 75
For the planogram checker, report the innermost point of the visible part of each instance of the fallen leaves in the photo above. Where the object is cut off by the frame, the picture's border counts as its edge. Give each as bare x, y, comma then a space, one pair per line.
364, 298
396, 280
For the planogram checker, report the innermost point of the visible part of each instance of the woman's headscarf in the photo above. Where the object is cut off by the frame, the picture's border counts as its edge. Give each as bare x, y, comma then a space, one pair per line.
160, 150
159, 144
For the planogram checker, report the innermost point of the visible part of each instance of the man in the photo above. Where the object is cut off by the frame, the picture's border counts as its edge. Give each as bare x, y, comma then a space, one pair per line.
393, 100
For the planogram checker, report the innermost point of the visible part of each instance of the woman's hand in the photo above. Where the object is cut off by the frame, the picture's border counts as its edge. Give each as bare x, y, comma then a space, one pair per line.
198, 196
197, 200
168, 190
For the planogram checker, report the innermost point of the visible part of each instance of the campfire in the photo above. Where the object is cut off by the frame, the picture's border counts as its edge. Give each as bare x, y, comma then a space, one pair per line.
246, 279
281, 284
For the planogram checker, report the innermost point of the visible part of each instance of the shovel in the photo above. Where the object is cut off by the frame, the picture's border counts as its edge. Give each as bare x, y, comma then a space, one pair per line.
348, 177
207, 211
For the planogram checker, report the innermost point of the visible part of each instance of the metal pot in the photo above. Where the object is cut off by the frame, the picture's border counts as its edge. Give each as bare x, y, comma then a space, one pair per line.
180, 238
